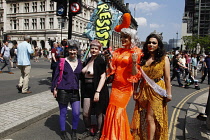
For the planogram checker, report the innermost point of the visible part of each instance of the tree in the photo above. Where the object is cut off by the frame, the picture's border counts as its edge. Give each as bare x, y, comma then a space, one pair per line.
190, 42
205, 43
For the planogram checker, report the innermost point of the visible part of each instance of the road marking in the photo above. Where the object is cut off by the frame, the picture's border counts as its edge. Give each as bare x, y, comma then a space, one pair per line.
176, 111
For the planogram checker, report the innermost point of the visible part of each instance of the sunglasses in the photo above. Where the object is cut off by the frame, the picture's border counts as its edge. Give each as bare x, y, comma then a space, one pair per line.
124, 36
154, 43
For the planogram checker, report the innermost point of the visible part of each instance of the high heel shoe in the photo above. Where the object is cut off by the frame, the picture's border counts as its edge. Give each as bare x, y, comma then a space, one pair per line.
64, 135
74, 134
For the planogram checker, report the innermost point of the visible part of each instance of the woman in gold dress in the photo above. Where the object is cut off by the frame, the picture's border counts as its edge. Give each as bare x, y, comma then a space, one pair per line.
150, 119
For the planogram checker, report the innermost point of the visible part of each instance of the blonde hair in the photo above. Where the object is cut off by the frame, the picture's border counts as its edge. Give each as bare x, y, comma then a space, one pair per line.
96, 43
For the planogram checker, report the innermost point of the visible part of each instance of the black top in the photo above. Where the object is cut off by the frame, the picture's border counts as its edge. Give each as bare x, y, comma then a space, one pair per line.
99, 67
175, 63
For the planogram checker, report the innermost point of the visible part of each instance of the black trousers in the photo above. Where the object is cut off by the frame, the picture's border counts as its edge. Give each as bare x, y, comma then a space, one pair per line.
176, 74
206, 71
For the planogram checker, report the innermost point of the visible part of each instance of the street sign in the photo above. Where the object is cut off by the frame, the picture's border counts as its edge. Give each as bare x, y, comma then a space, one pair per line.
75, 7
60, 10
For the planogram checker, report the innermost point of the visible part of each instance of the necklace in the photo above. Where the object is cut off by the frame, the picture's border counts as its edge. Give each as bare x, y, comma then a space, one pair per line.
72, 59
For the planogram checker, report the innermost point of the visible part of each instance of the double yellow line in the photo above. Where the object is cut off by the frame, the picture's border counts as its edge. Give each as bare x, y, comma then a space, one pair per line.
177, 110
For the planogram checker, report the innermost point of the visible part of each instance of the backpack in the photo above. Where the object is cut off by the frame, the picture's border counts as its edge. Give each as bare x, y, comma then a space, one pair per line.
61, 68
12, 52
3, 51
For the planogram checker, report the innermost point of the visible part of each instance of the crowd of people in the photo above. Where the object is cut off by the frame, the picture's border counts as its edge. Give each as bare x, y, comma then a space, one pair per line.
185, 67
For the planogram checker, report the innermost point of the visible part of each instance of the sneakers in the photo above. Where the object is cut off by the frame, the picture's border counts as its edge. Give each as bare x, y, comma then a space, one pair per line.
85, 134
97, 136
27, 92
181, 85
19, 88
10, 73
69, 108
64, 135
202, 117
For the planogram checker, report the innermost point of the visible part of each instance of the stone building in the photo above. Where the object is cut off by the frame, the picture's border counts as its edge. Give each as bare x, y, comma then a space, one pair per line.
38, 19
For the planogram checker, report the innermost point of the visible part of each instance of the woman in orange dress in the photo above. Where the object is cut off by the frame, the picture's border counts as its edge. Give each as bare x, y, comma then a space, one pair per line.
150, 119
116, 124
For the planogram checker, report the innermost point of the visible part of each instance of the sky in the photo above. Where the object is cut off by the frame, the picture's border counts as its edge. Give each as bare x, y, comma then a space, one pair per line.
161, 15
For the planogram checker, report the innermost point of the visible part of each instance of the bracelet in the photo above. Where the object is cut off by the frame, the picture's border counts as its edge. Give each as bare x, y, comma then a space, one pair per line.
169, 96
97, 92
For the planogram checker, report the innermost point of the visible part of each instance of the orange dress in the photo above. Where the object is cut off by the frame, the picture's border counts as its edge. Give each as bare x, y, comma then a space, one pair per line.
157, 103
116, 124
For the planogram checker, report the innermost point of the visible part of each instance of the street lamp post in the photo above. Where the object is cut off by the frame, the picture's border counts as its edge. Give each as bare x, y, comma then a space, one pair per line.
61, 27
63, 20
176, 39
173, 43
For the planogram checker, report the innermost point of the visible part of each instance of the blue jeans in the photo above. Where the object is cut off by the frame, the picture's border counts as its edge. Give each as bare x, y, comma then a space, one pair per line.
6, 63
176, 74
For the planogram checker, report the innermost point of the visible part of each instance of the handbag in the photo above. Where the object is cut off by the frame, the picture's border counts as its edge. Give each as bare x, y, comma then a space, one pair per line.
110, 79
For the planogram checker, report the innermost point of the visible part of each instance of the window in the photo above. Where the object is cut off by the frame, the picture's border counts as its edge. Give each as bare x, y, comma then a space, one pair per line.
11, 24
81, 27
61, 23
51, 23
34, 24
26, 24
1, 18
85, 15
73, 27
1, 4
42, 5
14, 8
77, 27
26, 7
14, 24
42, 21
52, 5
34, 6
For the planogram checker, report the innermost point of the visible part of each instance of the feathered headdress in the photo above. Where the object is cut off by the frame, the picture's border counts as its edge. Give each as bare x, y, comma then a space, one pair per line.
126, 22
124, 28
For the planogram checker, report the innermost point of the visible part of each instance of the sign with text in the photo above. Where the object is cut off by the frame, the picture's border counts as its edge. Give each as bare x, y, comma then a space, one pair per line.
102, 23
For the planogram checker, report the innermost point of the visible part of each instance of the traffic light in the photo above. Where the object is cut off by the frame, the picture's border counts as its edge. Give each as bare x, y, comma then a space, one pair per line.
75, 7
61, 8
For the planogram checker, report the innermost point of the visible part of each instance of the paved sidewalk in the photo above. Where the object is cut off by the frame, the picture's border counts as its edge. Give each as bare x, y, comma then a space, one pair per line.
17, 114
196, 129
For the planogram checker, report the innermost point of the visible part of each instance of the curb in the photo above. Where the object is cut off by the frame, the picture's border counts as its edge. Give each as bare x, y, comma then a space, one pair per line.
194, 128
18, 118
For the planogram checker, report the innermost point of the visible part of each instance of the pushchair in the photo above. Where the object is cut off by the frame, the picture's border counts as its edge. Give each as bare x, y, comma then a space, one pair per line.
190, 80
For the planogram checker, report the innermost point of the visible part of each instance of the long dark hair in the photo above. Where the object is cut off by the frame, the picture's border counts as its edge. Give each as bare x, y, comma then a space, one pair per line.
158, 54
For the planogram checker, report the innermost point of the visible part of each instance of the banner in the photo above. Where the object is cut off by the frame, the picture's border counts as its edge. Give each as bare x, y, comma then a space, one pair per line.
102, 23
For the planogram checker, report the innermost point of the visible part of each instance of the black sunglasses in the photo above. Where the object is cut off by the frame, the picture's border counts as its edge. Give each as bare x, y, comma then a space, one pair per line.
154, 43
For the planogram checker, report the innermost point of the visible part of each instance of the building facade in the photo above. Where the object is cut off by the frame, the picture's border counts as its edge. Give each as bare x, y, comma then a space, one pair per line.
38, 19
196, 19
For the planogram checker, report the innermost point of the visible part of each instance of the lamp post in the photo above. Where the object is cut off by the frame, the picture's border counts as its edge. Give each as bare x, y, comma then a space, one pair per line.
63, 20
176, 38
173, 43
